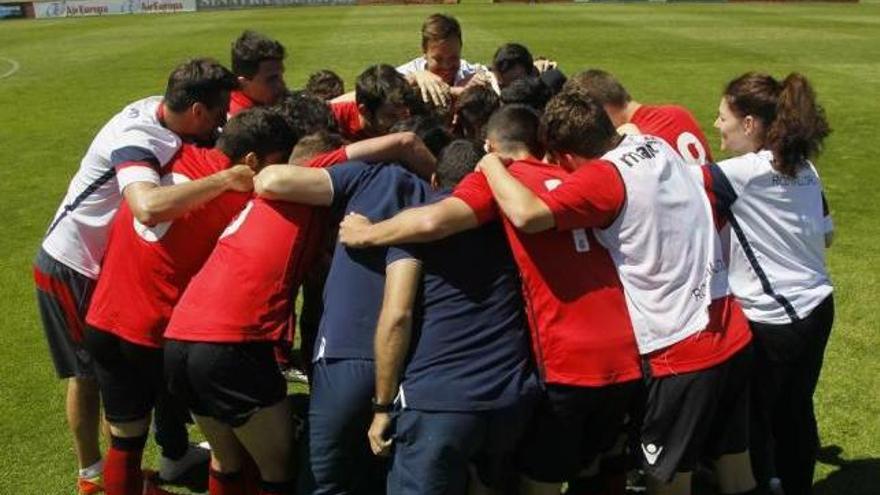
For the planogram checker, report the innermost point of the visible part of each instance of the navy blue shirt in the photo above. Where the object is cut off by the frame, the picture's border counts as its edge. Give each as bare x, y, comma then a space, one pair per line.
356, 281
470, 347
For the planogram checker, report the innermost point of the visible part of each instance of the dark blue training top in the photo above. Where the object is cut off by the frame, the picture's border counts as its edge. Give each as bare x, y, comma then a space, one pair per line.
356, 281
470, 347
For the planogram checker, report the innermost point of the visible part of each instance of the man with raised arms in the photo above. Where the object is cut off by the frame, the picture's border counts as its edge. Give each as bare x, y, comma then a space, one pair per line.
145, 270
125, 159
672, 123
581, 333
654, 218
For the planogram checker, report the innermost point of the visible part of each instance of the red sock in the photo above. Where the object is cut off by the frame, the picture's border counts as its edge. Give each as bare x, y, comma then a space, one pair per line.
122, 468
226, 483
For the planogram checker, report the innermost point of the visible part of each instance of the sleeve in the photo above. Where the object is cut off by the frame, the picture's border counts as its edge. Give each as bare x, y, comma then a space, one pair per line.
721, 191
402, 252
474, 190
826, 213
590, 197
344, 180
135, 164
328, 159
413, 65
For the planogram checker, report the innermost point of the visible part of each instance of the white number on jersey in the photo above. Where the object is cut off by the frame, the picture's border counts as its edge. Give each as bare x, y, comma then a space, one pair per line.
158, 231
239, 220
581, 242
686, 145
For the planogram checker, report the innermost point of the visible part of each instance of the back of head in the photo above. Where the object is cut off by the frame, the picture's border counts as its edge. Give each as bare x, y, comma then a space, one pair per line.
313, 145
200, 80
601, 86
457, 160
529, 91
513, 56
438, 28
429, 129
262, 131
251, 48
380, 85
514, 129
325, 84
472, 111
794, 122
307, 114
576, 123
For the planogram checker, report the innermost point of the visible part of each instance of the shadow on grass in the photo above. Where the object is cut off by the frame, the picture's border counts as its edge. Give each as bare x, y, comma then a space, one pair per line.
852, 477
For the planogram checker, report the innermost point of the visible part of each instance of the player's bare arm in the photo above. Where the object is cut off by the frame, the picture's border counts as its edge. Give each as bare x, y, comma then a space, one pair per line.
393, 334
310, 186
152, 204
423, 224
403, 147
524, 209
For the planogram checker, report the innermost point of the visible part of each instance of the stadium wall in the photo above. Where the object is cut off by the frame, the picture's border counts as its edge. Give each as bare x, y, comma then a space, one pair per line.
87, 8
16, 10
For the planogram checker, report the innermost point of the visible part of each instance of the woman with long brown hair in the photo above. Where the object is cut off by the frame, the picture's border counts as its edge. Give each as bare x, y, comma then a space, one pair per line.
772, 197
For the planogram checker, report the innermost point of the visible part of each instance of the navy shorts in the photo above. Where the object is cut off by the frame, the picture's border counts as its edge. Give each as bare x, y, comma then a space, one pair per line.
434, 450
63, 297
572, 425
340, 413
695, 415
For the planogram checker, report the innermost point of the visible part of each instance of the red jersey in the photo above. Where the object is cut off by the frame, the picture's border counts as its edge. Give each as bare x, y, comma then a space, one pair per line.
247, 288
675, 125
348, 118
238, 102
595, 193
581, 331
146, 269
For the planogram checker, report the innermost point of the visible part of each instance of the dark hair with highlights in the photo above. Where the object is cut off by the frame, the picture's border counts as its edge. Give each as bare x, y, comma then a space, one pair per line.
601, 86
574, 122
200, 80
795, 124
325, 84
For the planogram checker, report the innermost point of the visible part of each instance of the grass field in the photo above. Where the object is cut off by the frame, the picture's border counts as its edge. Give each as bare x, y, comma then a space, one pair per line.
76, 73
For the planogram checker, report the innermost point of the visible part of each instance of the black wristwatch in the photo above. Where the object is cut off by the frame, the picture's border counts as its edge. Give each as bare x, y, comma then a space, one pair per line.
382, 408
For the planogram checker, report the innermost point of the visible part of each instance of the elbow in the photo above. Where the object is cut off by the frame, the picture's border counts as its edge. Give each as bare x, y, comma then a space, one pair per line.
264, 186
525, 221
145, 212
407, 140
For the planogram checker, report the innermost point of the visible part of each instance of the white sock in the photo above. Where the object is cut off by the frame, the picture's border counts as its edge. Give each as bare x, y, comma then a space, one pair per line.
92, 471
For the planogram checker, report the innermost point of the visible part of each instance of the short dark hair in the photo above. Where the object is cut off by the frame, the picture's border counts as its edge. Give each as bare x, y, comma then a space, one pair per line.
457, 160
251, 48
429, 128
529, 91
381, 84
575, 122
440, 27
307, 114
473, 109
516, 126
512, 55
325, 84
200, 80
260, 130
601, 86
313, 145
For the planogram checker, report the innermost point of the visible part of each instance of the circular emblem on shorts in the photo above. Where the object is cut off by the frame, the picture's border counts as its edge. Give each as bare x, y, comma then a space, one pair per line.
651, 448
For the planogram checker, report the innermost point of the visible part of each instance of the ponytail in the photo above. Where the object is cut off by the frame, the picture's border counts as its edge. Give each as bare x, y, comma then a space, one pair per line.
797, 132
795, 123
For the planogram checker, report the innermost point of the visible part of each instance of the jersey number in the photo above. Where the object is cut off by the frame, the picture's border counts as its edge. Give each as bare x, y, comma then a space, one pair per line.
581, 242
691, 149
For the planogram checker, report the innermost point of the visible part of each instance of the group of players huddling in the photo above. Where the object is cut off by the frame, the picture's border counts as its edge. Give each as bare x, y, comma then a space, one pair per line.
537, 282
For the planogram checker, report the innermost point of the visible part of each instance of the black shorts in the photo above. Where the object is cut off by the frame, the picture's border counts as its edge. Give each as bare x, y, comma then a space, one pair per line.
63, 297
129, 375
227, 382
571, 426
696, 415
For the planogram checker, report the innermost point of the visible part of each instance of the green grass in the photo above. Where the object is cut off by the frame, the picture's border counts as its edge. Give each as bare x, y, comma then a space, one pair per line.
76, 73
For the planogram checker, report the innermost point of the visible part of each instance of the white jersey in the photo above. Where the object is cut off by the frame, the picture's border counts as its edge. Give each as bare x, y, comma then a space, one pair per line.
132, 147
664, 243
777, 243
466, 70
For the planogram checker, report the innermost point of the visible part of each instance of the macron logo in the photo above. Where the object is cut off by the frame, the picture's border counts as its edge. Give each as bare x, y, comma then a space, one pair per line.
652, 452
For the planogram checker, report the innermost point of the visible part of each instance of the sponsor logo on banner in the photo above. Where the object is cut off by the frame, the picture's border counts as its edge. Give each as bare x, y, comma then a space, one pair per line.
12, 11
83, 8
249, 4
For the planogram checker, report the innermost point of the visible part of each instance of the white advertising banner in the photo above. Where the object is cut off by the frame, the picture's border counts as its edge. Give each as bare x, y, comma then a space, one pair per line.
82, 8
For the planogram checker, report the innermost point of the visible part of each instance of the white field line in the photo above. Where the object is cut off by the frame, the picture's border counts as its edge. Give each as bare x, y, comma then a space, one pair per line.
13, 67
